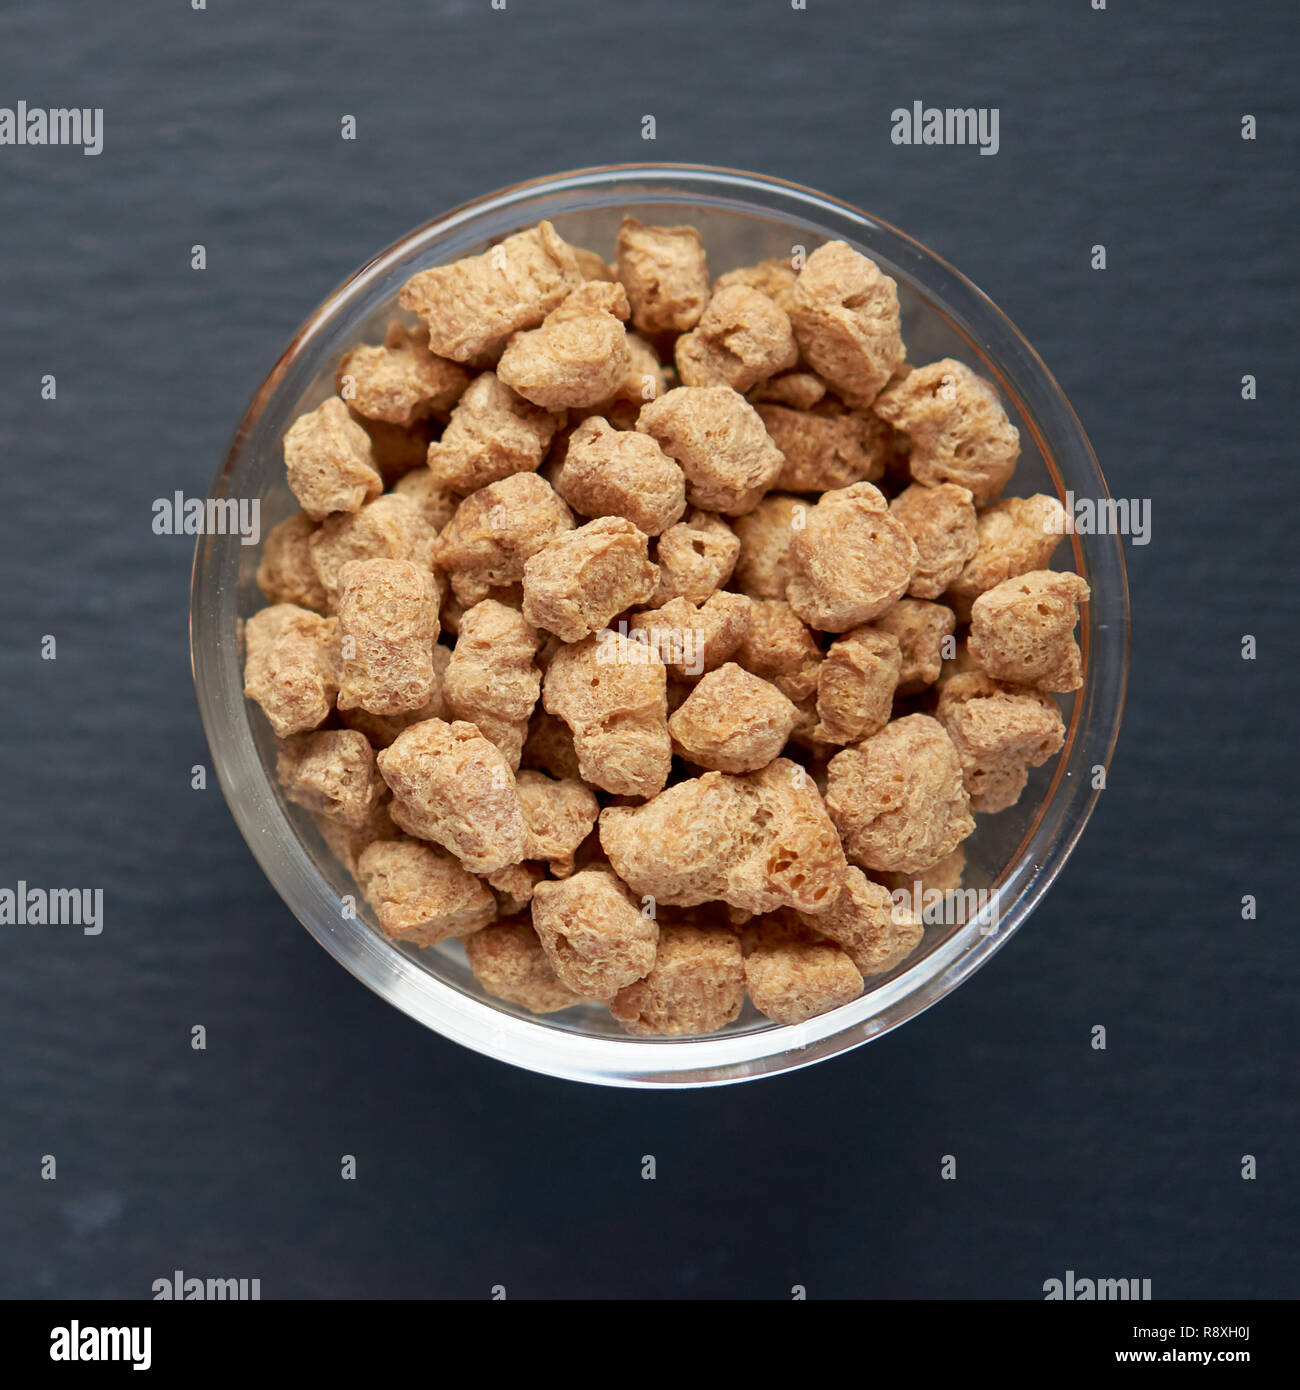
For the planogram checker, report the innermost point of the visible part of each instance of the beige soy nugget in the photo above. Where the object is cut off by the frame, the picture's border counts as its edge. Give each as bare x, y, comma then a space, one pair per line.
941, 522
732, 721
766, 534
491, 679
388, 626
346, 842
421, 895
665, 273
471, 307
718, 439
849, 561
291, 666
333, 774
609, 472
866, 921
578, 357
796, 390
1022, 630
846, 319
695, 558
697, 985
594, 934
580, 580
824, 451
1015, 536
958, 430
742, 338
494, 532
382, 729
560, 814
757, 842
330, 461
392, 527
454, 787
612, 692
694, 638
898, 799
855, 685
775, 278
437, 502
508, 961
794, 975
402, 381
493, 433
285, 573
999, 732
780, 648
922, 629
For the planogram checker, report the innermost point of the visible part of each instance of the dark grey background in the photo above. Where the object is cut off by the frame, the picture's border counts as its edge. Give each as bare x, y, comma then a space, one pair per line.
222, 127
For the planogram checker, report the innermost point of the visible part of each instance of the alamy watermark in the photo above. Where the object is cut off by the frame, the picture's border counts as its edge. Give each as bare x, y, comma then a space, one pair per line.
179, 515
53, 907
54, 125
1103, 516
951, 907
638, 646
948, 125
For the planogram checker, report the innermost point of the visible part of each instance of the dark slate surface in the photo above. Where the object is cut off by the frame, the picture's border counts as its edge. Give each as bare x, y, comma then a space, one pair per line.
1119, 127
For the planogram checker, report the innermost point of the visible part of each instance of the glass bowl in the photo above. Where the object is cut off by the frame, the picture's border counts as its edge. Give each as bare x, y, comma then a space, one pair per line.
744, 218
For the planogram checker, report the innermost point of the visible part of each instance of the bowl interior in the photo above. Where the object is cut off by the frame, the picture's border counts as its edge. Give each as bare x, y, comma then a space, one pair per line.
738, 228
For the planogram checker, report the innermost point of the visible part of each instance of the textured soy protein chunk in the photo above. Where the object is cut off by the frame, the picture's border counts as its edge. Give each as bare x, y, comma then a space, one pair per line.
694, 638
346, 842
330, 461
780, 648
579, 580
333, 774
493, 433
665, 273
849, 561
609, 472
291, 666
491, 679
388, 626
696, 558
513, 886
392, 527
578, 357
775, 278
560, 814
697, 985
958, 430
398, 449
454, 787
470, 308
508, 961
436, 501
612, 693
494, 532
846, 319
873, 928
856, 684
285, 573
766, 534
898, 799
794, 975
941, 522
999, 732
1015, 536
718, 438
798, 391
757, 842
1022, 630
923, 630
824, 450
596, 937
742, 338
420, 894
400, 382
732, 721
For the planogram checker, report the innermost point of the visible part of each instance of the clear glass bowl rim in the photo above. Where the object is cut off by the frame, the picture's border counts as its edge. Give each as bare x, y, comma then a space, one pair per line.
1090, 740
